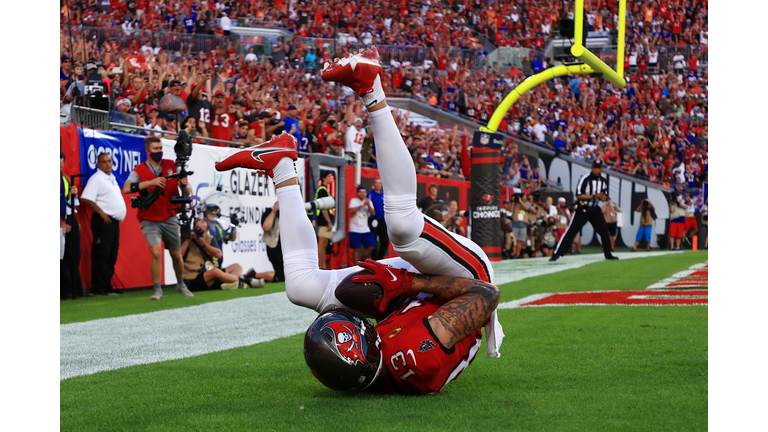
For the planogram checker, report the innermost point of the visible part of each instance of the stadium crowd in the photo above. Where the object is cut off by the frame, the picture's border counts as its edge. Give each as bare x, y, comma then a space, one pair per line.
460, 23
654, 129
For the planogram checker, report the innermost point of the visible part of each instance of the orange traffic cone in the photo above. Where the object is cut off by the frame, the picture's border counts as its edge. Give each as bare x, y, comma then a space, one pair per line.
695, 243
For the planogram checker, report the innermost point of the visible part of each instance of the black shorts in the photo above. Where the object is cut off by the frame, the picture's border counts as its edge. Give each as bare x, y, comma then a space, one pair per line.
275, 256
611, 228
198, 283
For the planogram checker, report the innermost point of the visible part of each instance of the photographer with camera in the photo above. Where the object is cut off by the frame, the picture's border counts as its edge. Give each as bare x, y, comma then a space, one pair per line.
548, 236
562, 217
361, 239
610, 213
520, 209
647, 216
453, 219
201, 271
158, 220
676, 221
220, 235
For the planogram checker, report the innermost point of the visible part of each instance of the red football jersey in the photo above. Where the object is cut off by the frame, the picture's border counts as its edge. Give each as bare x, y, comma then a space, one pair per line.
414, 358
221, 127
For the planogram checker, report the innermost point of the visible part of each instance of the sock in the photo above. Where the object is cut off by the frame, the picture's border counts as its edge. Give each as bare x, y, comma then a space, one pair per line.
296, 231
157, 286
395, 163
376, 96
284, 170
305, 284
398, 176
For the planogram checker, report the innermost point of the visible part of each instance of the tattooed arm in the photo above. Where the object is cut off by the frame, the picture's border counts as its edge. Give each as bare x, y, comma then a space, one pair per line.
470, 304
470, 301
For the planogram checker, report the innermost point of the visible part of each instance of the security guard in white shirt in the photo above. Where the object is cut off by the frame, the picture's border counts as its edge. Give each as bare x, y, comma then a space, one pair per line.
104, 196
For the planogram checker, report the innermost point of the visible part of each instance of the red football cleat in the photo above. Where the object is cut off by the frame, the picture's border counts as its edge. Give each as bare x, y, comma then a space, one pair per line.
356, 71
262, 157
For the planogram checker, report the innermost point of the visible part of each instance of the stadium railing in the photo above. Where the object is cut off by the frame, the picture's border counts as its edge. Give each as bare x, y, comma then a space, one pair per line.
666, 52
91, 118
201, 42
165, 40
414, 54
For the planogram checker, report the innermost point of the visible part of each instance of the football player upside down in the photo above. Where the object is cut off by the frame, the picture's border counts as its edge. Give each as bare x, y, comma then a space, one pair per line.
431, 303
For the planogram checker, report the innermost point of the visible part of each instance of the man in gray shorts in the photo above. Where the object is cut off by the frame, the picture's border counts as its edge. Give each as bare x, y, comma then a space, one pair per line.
159, 222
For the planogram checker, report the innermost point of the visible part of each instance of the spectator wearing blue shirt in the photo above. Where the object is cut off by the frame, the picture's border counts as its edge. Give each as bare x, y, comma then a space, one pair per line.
575, 87
524, 168
292, 122
189, 24
66, 68
377, 223
559, 143
690, 178
310, 59
450, 105
537, 65
631, 91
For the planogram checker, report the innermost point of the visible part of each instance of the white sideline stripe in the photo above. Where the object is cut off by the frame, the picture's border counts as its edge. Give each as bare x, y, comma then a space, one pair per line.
516, 303
113, 343
664, 283
517, 270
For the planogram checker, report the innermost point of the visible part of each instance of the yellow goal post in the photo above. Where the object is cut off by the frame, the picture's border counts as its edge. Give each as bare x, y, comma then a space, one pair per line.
591, 64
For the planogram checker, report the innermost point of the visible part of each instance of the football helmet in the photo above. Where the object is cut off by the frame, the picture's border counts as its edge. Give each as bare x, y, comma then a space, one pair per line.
341, 349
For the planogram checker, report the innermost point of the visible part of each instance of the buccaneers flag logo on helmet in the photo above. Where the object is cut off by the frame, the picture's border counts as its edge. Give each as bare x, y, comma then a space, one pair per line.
347, 340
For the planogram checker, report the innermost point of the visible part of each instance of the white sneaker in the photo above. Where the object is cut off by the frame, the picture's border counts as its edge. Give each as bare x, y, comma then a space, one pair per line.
256, 283
231, 285
184, 291
158, 294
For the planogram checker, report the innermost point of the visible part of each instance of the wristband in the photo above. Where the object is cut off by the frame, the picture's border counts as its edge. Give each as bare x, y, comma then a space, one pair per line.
134, 187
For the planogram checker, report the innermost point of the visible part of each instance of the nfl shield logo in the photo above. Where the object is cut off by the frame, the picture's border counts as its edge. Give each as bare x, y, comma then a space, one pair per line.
484, 139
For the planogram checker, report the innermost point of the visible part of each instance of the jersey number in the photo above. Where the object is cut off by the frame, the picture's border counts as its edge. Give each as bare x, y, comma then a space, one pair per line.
400, 357
205, 115
224, 120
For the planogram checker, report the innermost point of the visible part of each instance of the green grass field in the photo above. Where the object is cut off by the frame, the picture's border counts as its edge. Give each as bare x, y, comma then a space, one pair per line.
566, 368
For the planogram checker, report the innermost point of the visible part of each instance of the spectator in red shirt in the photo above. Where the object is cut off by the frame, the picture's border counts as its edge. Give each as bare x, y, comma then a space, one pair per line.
224, 118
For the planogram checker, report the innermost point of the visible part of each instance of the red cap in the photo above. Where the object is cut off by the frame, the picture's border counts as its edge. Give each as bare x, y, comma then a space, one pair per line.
219, 92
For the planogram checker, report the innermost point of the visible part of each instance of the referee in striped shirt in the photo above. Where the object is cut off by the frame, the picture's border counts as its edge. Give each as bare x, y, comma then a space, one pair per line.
591, 188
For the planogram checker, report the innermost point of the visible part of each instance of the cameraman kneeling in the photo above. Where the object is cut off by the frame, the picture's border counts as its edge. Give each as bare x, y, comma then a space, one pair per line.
200, 254
158, 221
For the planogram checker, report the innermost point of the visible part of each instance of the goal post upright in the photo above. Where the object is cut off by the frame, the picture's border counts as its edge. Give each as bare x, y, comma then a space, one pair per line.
591, 65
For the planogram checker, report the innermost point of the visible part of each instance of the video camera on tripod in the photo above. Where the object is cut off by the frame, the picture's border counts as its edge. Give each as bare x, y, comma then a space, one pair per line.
183, 149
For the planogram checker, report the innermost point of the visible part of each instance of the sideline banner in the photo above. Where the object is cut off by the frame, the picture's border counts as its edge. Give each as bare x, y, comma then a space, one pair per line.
243, 188
127, 151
